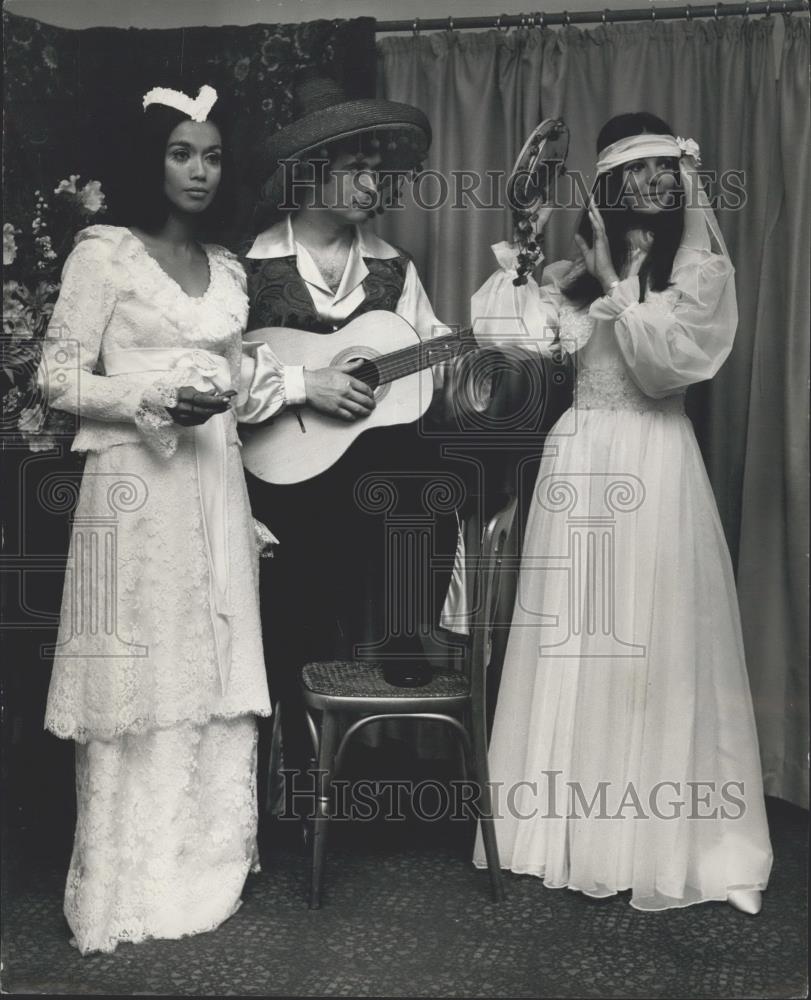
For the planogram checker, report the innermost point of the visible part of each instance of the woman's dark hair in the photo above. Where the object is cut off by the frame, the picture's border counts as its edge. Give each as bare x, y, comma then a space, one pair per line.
137, 197
667, 226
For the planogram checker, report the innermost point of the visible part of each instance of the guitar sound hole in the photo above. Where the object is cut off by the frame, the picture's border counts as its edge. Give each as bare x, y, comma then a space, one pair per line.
367, 372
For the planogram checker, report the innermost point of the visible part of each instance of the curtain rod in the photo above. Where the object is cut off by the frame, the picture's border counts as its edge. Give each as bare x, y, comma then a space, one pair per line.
540, 19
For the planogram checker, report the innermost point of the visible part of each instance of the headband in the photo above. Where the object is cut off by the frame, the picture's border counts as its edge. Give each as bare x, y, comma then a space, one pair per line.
639, 147
196, 108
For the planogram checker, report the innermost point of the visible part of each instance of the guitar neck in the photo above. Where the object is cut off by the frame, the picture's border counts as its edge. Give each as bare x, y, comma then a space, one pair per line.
415, 358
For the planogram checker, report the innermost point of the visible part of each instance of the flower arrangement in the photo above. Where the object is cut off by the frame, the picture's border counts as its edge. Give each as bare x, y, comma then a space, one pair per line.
33, 255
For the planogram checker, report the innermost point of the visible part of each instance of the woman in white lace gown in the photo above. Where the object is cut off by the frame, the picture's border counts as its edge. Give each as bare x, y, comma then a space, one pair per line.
159, 671
624, 751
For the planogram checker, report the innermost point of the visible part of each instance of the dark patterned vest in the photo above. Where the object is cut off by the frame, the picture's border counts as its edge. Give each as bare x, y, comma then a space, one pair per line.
279, 295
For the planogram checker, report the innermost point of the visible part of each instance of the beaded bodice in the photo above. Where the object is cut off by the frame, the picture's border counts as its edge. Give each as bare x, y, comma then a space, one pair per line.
611, 387
603, 380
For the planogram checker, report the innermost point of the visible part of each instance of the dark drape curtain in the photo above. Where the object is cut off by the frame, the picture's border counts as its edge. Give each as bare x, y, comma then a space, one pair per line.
773, 549
67, 93
714, 81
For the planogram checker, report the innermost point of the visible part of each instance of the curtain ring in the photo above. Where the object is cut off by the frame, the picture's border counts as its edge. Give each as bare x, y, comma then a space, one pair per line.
786, 11
746, 9
530, 21
542, 21
715, 10
499, 19
603, 16
768, 10
415, 27
450, 23
689, 14
566, 19
652, 12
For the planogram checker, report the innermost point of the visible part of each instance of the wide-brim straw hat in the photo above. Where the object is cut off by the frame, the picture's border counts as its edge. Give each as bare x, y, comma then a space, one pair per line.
325, 116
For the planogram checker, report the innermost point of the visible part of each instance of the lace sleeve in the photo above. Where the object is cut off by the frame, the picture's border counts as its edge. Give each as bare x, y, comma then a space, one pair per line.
266, 541
72, 345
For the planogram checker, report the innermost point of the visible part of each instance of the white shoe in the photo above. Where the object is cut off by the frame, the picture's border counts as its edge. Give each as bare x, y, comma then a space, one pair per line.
746, 900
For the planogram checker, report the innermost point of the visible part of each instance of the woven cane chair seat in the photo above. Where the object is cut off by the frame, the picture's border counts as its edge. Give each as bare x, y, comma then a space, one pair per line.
364, 679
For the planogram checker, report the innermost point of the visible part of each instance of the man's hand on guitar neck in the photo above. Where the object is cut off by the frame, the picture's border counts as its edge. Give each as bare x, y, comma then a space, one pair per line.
335, 392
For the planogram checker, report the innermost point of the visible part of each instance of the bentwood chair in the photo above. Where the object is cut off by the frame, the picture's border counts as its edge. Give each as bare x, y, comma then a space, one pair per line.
336, 691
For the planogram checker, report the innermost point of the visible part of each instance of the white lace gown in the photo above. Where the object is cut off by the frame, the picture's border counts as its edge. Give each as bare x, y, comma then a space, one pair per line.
161, 705
624, 751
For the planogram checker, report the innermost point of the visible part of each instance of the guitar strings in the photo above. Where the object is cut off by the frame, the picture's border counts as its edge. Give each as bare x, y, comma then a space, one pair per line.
389, 372
402, 362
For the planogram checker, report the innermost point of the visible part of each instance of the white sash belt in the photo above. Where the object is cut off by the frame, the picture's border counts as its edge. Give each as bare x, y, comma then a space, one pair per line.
205, 371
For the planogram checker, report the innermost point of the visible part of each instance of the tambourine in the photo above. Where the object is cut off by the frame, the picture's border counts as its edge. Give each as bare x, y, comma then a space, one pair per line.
531, 185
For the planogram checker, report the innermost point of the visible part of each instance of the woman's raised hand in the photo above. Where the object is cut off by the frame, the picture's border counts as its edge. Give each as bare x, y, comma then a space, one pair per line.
541, 219
639, 243
577, 269
533, 224
195, 407
597, 257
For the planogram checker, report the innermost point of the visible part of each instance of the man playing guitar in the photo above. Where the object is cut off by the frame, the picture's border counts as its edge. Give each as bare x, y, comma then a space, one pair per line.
316, 270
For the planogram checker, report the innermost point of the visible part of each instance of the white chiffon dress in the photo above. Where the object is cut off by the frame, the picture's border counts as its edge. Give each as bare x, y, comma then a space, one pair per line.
624, 754
158, 671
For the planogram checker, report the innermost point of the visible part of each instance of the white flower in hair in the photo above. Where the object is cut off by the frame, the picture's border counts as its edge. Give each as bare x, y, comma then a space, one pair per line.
689, 147
197, 108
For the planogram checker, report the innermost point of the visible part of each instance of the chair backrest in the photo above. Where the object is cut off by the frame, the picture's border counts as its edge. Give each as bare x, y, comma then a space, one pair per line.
487, 590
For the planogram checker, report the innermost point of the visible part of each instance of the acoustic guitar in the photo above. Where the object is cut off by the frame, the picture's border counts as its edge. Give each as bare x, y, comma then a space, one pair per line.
300, 443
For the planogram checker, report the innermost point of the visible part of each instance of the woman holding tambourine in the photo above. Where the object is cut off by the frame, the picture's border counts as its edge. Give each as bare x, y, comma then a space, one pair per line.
624, 751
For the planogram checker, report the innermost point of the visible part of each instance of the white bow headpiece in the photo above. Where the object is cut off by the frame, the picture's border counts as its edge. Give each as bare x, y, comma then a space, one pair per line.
197, 108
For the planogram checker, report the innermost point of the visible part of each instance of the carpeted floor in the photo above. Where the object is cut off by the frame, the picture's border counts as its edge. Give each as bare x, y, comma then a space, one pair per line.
405, 914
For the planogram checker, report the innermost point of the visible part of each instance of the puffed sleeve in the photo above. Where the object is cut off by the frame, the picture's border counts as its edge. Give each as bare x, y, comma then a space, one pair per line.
415, 307
67, 372
503, 314
673, 340
266, 385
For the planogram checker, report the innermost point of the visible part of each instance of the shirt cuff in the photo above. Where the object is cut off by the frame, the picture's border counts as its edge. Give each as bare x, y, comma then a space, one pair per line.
295, 393
621, 298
